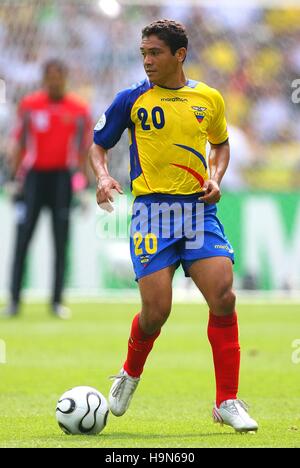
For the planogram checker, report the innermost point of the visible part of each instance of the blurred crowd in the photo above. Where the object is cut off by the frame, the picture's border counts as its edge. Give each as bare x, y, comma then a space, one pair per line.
251, 54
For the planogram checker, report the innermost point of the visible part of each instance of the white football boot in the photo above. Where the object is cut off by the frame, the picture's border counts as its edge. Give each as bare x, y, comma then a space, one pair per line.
121, 392
234, 413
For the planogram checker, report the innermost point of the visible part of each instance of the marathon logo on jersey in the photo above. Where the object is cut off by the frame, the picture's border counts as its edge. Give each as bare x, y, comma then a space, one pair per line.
174, 99
199, 112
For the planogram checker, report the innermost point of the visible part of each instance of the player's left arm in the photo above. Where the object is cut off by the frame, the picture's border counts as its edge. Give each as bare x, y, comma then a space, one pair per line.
219, 155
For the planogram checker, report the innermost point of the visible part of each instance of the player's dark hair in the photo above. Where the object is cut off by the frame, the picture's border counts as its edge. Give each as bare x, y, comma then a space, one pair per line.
57, 64
172, 33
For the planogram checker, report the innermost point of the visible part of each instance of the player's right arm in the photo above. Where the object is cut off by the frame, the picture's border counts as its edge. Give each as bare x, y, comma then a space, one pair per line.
105, 183
107, 133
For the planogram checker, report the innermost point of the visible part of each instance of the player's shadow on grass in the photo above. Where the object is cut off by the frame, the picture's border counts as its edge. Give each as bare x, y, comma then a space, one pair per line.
131, 435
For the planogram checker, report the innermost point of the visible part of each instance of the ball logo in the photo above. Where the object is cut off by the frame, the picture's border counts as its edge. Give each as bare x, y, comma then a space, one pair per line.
101, 123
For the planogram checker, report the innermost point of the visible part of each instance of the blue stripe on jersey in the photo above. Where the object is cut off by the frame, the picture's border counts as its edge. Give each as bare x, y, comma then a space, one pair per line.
135, 166
196, 153
118, 115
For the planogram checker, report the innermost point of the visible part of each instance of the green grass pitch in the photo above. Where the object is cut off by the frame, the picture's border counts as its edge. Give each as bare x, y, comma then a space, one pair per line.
172, 406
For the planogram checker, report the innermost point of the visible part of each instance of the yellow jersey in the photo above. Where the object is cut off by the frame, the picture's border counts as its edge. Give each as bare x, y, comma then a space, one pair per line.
168, 132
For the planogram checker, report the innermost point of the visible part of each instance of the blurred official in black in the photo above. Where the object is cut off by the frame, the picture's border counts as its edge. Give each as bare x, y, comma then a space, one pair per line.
50, 143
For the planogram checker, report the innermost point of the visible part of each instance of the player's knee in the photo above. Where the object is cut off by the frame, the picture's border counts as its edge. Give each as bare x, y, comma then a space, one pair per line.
225, 302
228, 302
154, 314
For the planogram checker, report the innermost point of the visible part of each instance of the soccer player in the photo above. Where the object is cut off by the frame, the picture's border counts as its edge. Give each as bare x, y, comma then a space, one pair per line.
51, 141
169, 119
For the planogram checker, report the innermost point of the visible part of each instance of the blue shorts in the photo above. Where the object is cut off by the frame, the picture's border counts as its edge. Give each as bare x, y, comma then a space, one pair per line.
172, 230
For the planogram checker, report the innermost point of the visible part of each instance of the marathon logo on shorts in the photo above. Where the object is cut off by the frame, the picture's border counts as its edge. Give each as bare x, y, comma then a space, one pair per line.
224, 247
199, 112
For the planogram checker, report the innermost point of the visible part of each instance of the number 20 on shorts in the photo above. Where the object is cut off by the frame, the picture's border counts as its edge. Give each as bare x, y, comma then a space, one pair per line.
149, 241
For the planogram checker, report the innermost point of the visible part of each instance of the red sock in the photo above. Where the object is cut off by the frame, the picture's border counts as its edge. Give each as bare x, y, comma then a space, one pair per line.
139, 346
224, 339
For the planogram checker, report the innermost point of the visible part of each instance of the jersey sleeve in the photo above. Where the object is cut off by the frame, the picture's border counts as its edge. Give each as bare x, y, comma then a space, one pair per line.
217, 130
113, 122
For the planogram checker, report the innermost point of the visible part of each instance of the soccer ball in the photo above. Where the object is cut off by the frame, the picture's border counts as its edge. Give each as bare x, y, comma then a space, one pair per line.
82, 410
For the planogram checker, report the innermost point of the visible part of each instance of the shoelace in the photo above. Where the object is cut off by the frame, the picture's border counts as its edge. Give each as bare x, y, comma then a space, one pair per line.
118, 387
243, 404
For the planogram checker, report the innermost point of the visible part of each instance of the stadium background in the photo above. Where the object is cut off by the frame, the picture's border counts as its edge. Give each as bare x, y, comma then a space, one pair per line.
250, 53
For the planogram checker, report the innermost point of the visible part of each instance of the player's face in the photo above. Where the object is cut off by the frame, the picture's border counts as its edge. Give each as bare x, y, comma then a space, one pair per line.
55, 82
159, 62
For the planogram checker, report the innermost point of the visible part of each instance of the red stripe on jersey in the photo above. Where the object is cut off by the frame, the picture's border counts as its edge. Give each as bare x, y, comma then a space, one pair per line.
191, 171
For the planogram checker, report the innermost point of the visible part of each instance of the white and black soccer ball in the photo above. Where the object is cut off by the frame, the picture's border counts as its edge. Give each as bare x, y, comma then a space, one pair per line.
82, 410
